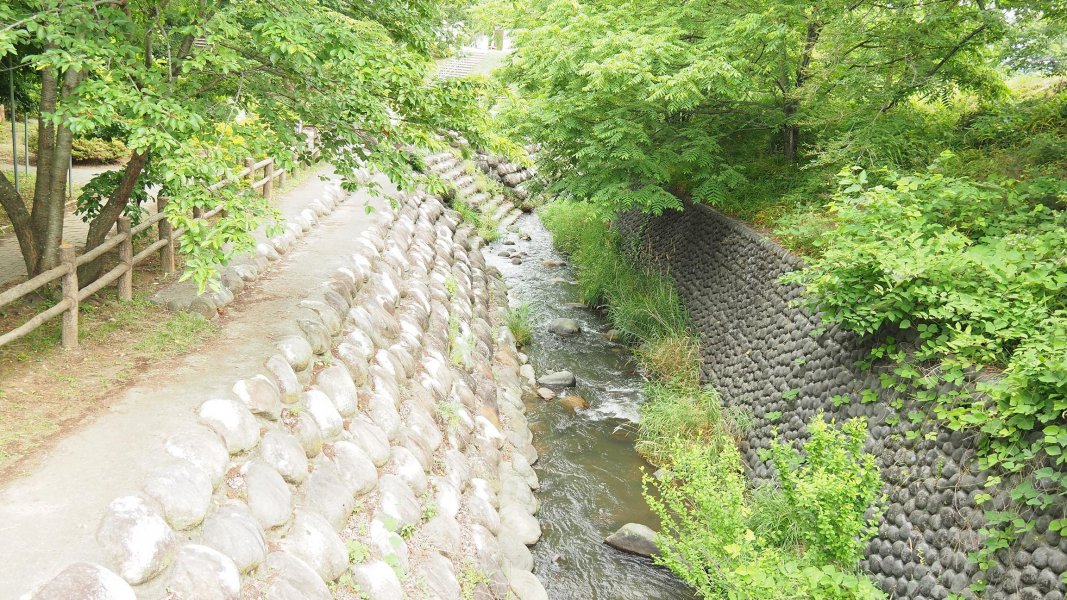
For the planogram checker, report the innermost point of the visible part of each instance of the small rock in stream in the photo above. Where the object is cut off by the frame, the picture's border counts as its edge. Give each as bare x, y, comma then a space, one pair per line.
524, 236
574, 402
553, 263
545, 393
563, 326
515, 260
560, 379
634, 538
612, 335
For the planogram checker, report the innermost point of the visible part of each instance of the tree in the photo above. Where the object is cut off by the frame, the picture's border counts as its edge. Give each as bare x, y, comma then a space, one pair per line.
634, 101
193, 86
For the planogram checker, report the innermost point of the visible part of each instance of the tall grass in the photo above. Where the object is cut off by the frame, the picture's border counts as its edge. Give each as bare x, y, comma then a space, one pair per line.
642, 304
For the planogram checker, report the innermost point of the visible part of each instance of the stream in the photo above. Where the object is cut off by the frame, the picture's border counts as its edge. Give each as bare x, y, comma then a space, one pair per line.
590, 473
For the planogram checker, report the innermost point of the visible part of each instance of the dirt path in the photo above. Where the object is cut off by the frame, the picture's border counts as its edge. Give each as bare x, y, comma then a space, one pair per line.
71, 484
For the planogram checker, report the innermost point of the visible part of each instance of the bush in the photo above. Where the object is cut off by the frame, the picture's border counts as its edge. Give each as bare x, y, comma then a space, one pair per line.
976, 271
97, 150
724, 543
830, 488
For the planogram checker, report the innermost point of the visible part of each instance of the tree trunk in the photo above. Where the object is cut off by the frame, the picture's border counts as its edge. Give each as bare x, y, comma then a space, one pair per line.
16, 211
109, 214
790, 105
51, 235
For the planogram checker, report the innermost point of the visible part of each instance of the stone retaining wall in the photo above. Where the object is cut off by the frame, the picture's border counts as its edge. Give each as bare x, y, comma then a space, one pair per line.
384, 452
784, 366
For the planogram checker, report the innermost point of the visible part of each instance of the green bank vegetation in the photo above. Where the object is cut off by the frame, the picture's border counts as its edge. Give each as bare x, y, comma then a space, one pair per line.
915, 153
799, 538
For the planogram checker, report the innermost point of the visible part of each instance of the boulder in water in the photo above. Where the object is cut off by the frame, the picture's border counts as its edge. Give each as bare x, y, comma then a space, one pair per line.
564, 326
633, 538
558, 379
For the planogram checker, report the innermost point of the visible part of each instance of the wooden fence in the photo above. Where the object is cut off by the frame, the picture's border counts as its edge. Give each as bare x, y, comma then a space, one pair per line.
67, 271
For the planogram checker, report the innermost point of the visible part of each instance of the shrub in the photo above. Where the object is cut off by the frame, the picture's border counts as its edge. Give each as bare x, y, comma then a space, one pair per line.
830, 487
796, 543
976, 271
97, 150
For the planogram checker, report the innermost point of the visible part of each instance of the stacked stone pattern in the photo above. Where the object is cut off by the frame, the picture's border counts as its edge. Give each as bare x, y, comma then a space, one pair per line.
383, 453
781, 363
451, 168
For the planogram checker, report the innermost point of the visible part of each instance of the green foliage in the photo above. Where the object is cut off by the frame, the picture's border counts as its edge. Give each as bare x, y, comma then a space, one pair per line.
976, 270
634, 101
518, 321
830, 487
484, 224
728, 543
360, 74
357, 551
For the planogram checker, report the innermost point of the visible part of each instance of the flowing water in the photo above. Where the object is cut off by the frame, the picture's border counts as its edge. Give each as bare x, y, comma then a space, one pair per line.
590, 474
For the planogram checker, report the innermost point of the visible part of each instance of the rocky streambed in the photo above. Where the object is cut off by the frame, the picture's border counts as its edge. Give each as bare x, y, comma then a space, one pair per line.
583, 421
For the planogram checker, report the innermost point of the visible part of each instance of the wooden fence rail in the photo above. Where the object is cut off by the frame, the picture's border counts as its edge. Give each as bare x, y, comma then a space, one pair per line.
122, 240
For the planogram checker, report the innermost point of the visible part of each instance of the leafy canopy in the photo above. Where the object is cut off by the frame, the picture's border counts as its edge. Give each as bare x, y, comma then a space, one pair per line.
195, 86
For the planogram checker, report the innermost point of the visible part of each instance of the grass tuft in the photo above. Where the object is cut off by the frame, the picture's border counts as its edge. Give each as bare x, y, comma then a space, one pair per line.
518, 321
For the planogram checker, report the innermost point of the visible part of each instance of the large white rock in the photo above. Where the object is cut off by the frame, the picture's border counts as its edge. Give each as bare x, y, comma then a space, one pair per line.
398, 502
85, 580
290, 578
382, 410
327, 494
377, 581
336, 382
439, 576
322, 410
266, 493
296, 350
408, 468
283, 451
371, 439
202, 573
183, 490
233, 531
260, 396
314, 541
203, 448
525, 586
232, 421
136, 539
389, 543
518, 523
444, 533
285, 377
356, 468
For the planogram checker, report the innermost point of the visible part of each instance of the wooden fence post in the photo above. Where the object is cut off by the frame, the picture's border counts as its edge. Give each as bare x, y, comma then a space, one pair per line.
126, 258
281, 179
249, 162
70, 294
166, 232
268, 174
